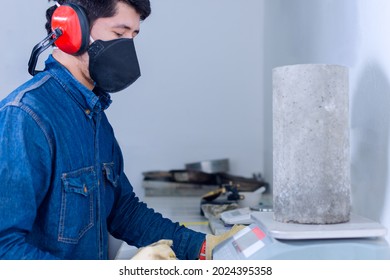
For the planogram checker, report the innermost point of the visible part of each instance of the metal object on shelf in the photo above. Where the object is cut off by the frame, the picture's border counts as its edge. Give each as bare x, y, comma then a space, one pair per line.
210, 166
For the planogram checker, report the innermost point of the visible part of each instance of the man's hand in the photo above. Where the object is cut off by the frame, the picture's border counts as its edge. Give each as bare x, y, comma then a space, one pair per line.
160, 250
214, 240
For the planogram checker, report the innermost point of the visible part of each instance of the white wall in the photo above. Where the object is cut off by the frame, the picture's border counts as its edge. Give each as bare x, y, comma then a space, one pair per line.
199, 96
371, 113
352, 33
22, 26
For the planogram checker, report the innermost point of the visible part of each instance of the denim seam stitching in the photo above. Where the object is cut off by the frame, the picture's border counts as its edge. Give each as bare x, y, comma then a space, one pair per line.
66, 89
36, 119
36, 85
16, 103
41, 125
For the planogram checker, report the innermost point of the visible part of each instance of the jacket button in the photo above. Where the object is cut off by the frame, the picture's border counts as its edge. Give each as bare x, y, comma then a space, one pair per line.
85, 189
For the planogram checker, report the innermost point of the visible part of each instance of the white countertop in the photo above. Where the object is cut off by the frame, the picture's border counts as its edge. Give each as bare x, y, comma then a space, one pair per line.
185, 210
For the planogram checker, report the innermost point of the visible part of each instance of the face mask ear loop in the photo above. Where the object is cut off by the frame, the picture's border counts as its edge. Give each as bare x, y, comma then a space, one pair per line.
57, 4
91, 40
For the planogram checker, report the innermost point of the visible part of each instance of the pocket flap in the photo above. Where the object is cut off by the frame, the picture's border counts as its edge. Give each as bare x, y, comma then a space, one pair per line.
110, 174
81, 181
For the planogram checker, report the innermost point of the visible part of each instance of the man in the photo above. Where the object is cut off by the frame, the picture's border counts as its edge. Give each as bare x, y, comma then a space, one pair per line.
62, 185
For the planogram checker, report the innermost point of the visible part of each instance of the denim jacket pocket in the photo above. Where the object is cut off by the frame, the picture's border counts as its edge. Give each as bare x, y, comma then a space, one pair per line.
77, 204
110, 175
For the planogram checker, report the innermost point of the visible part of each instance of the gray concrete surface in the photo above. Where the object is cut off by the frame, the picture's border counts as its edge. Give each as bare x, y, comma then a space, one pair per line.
311, 161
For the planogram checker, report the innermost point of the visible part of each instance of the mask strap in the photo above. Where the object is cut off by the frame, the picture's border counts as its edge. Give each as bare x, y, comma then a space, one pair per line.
57, 4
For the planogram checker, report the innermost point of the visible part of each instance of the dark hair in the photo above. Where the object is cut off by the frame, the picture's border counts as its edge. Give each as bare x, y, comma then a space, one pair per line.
101, 8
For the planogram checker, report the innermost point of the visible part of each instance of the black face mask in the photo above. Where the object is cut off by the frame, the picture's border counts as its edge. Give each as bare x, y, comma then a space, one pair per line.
113, 65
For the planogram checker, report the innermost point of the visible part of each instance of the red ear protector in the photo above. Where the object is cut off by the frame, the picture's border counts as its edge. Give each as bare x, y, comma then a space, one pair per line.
70, 33
74, 25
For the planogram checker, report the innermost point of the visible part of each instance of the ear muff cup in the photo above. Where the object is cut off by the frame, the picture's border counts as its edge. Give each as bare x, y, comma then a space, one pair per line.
73, 22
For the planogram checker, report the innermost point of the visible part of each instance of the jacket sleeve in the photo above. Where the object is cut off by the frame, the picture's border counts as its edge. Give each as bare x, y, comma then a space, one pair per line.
25, 164
132, 221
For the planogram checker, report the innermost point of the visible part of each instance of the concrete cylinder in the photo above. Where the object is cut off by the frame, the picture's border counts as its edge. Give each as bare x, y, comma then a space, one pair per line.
311, 161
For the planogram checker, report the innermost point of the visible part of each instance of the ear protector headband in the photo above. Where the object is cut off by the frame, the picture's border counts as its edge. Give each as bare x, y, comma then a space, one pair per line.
70, 33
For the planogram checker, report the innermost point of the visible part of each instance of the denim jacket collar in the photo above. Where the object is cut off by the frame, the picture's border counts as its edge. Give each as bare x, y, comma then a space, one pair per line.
91, 102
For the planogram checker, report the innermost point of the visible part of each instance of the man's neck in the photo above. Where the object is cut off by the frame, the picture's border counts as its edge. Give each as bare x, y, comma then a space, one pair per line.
76, 65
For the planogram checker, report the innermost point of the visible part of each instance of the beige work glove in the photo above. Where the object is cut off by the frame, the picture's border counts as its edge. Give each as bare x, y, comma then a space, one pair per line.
160, 250
214, 240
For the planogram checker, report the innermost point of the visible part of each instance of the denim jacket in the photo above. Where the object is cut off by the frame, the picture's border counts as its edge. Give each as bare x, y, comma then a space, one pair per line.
62, 185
